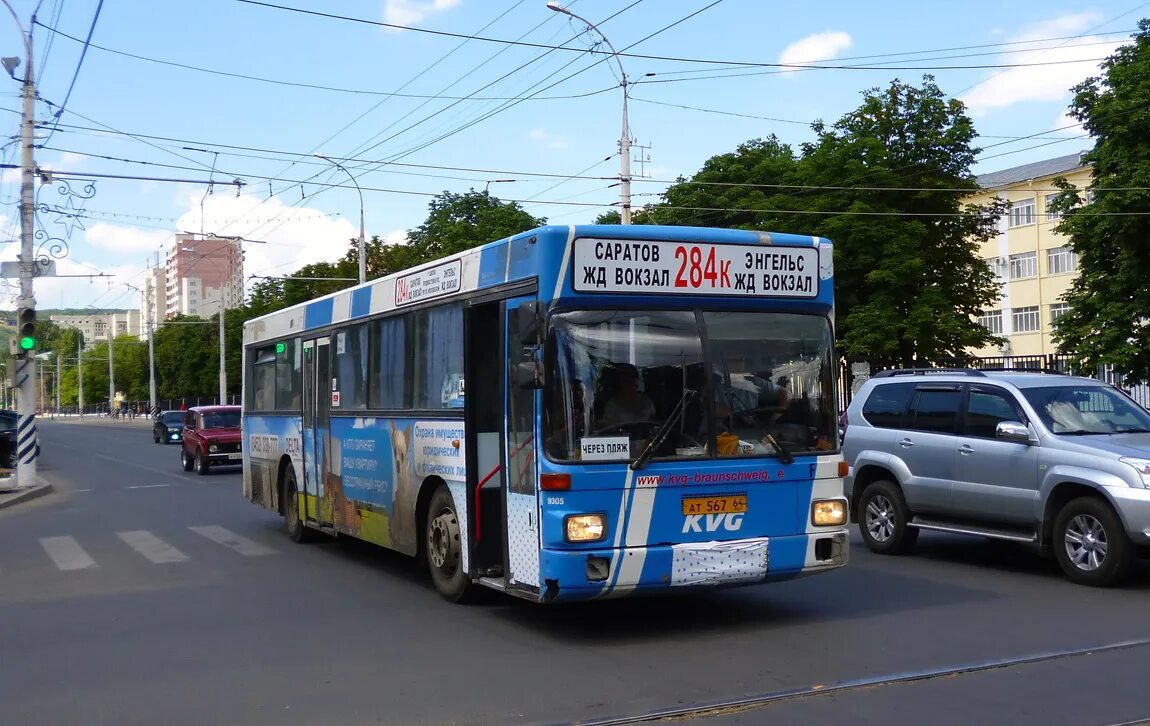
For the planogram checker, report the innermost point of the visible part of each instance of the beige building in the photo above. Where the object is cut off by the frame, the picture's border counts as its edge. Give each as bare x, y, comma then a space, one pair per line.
96, 327
1035, 265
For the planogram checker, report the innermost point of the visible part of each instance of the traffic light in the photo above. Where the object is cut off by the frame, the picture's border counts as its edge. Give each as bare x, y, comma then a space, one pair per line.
26, 330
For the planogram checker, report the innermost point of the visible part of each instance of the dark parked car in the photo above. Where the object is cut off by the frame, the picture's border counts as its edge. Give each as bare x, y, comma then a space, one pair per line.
168, 427
211, 437
8, 421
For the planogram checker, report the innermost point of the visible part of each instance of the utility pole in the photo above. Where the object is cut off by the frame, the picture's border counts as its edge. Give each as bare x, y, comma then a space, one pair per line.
223, 359
80, 374
111, 364
25, 363
57, 382
151, 365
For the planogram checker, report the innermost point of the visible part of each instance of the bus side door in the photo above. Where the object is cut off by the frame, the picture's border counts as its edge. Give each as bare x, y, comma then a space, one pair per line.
522, 505
316, 433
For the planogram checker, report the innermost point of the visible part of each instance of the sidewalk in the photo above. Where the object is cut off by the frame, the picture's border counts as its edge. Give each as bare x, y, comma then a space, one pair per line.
144, 421
12, 496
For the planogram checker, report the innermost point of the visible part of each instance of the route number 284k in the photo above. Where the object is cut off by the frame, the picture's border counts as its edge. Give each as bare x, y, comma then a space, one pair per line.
695, 268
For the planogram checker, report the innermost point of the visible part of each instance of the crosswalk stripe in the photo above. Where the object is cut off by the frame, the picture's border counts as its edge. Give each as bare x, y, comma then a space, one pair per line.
66, 553
233, 541
152, 547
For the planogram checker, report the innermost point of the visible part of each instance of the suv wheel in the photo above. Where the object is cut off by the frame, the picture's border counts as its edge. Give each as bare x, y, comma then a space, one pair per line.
883, 517
1090, 544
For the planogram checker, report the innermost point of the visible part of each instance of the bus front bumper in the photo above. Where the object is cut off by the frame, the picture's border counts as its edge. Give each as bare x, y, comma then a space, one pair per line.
585, 574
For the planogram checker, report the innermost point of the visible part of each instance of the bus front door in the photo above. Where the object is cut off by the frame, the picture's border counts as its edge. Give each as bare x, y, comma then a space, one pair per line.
316, 433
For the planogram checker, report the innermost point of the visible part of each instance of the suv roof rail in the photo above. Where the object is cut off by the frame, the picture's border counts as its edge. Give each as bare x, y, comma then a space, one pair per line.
1023, 369
891, 372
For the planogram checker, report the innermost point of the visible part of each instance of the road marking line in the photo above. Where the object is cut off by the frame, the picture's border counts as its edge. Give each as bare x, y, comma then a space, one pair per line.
233, 541
147, 486
154, 470
152, 547
66, 553
81, 490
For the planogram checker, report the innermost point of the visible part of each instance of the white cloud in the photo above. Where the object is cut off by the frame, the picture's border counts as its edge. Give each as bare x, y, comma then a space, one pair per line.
1050, 73
396, 237
813, 48
547, 139
118, 238
294, 236
410, 12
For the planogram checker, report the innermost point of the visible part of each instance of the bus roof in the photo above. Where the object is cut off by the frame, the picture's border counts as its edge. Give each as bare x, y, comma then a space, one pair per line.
496, 263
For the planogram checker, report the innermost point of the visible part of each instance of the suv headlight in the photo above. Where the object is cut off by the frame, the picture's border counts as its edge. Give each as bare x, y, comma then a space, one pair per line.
1142, 466
213, 448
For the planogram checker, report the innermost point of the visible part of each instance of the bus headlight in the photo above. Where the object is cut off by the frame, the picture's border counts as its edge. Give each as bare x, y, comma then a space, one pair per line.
828, 512
585, 527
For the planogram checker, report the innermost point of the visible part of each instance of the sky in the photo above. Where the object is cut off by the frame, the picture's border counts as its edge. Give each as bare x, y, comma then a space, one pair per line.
215, 111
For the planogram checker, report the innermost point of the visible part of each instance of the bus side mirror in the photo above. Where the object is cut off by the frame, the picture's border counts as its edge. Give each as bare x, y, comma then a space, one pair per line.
530, 320
527, 374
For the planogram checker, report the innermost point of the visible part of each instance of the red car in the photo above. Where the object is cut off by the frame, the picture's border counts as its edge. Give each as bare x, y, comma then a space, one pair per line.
211, 437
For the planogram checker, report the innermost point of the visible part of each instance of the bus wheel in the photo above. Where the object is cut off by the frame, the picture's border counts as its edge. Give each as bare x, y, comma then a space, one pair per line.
444, 547
296, 530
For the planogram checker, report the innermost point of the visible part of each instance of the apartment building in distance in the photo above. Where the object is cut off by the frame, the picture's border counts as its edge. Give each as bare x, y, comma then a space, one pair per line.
154, 297
202, 275
95, 327
1035, 264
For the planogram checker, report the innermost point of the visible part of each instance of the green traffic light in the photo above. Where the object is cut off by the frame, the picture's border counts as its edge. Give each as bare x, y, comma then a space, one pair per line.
27, 343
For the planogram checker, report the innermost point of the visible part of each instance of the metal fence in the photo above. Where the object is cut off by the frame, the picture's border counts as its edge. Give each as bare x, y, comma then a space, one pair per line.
136, 409
852, 375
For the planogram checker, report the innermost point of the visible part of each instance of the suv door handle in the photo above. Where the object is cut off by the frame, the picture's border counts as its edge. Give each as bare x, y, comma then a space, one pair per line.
966, 449
905, 443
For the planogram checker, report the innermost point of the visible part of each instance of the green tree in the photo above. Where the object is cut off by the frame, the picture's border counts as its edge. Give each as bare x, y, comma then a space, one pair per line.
1109, 317
457, 222
909, 278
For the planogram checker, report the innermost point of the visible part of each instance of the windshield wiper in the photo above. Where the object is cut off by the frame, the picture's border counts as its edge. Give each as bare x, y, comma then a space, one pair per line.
661, 434
1084, 432
784, 455
1132, 431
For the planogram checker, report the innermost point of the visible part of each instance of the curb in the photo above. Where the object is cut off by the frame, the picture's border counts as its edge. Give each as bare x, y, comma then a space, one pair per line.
12, 497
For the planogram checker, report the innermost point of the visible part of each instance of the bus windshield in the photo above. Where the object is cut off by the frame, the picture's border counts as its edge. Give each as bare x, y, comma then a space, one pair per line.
762, 381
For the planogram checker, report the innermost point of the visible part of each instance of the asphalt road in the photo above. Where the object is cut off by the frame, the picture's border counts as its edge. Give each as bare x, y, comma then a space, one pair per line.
138, 594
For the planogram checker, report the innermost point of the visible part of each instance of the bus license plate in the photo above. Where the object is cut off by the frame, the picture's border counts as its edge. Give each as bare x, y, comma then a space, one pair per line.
733, 503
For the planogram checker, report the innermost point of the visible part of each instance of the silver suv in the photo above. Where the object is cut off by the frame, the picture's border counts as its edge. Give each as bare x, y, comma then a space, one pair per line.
1039, 457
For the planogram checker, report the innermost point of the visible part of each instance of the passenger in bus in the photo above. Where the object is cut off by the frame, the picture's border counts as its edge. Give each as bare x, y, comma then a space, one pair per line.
626, 403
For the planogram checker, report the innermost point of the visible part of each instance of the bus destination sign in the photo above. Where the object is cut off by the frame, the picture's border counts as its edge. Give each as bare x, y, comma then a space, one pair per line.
695, 268
428, 283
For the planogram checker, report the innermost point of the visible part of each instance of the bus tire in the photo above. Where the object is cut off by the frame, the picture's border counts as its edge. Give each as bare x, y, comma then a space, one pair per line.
297, 531
443, 546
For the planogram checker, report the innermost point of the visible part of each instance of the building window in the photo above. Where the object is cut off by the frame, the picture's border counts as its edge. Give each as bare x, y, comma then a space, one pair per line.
998, 267
1024, 266
1057, 310
992, 321
1090, 196
1022, 213
1061, 260
1025, 320
1051, 215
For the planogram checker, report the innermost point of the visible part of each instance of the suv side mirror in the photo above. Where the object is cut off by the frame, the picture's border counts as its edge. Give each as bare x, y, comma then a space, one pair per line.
530, 321
1014, 431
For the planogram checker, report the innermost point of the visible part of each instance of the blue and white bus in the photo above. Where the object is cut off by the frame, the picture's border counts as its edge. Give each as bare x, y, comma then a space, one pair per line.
569, 413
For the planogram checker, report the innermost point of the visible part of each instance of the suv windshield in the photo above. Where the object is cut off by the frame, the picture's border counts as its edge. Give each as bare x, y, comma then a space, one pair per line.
616, 377
222, 420
1082, 410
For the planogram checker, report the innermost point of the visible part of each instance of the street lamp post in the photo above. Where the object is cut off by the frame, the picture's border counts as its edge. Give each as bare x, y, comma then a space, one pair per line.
625, 135
362, 242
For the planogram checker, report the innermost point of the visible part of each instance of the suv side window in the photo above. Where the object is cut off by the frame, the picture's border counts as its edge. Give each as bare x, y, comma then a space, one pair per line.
935, 408
986, 408
886, 404
190, 421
